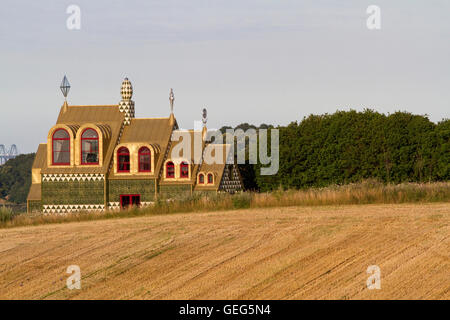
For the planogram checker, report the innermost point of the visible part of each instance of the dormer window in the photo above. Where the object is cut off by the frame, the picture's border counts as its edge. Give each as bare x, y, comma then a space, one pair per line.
123, 160
145, 164
170, 170
61, 147
184, 170
89, 147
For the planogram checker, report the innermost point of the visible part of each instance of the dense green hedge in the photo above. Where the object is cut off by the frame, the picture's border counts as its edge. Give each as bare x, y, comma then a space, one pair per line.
350, 146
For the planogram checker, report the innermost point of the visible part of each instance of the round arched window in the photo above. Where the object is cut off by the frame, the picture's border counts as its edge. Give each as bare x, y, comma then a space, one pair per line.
170, 170
201, 178
184, 170
123, 160
89, 147
61, 147
145, 164
210, 178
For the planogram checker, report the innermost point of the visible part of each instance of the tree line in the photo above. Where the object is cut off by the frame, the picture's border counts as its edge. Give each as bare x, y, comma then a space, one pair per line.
350, 146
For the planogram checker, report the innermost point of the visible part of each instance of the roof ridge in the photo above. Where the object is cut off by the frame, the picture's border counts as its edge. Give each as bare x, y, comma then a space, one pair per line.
94, 105
158, 118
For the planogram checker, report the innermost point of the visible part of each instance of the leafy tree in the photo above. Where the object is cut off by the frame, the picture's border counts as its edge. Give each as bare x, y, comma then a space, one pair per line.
15, 178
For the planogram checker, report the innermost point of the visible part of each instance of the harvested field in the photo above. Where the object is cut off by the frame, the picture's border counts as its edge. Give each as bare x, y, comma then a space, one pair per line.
275, 253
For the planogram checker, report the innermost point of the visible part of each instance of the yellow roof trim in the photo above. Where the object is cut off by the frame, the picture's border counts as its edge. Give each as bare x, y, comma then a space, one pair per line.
160, 118
94, 105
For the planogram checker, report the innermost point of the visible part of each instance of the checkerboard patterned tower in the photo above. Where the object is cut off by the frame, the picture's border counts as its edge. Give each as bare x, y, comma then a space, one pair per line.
126, 105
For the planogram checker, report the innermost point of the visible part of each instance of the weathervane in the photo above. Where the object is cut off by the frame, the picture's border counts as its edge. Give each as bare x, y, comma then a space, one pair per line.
171, 99
65, 87
204, 116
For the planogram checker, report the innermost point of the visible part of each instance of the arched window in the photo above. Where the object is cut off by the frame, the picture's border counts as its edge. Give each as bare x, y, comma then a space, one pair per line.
170, 170
145, 164
89, 147
61, 147
184, 170
210, 178
201, 178
123, 160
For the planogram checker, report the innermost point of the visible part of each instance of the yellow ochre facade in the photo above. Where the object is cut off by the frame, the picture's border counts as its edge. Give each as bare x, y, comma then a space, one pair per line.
102, 158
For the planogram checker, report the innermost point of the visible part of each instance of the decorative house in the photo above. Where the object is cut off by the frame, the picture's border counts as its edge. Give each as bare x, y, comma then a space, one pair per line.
102, 157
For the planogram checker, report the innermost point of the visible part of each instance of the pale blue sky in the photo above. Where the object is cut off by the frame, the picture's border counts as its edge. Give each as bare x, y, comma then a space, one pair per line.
256, 61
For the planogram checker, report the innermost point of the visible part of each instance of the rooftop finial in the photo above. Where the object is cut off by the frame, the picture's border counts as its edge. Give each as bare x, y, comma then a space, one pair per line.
126, 90
65, 87
204, 116
171, 100
126, 105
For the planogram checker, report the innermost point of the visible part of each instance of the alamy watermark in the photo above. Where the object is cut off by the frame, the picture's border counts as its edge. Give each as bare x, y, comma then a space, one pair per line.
74, 280
73, 22
251, 147
374, 280
374, 20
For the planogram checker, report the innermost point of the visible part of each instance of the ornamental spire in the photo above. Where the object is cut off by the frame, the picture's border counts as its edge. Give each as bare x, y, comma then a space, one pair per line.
171, 100
204, 117
126, 90
65, 87
126, 105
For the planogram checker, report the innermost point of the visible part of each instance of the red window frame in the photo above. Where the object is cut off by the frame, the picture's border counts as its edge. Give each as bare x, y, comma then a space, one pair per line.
123, 151
53, 147
91, 139
171, 165
201, 178
212, 178
130, 200
184, 165
144, 151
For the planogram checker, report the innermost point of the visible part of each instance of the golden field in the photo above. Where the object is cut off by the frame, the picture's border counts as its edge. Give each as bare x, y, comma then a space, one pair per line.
317, 252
